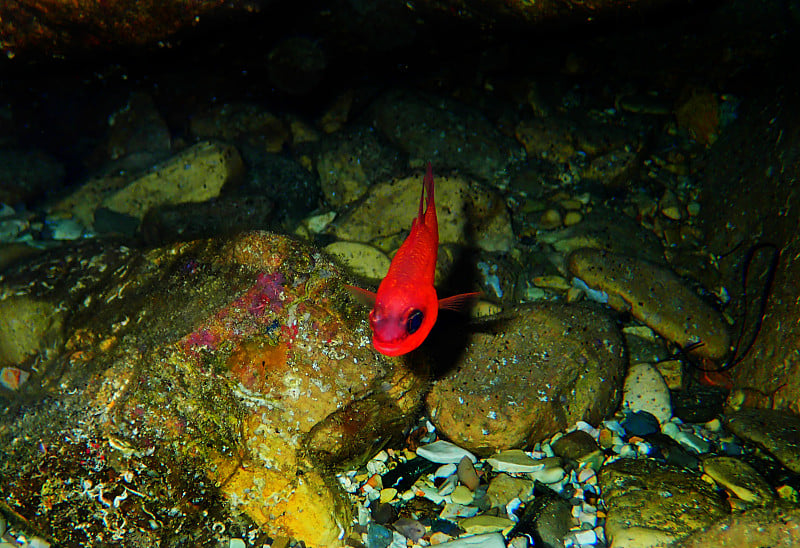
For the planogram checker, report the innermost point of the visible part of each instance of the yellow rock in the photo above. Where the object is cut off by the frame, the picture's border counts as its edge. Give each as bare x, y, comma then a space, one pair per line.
552, 282
87, 198
305, 507
364, 260
551, 219
389, 208
656, 297
572, 218
27, 327
195, 175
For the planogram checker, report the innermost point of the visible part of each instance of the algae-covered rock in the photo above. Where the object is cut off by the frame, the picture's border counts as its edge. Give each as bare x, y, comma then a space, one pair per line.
653, 504
654, 296
527, 375
239, 360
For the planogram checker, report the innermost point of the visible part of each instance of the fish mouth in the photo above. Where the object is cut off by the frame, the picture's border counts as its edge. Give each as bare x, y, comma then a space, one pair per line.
390, 348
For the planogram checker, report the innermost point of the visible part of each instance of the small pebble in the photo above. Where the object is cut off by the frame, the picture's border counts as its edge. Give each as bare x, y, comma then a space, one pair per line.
550, 219
485, 524
513, 461
572, 218
586, 537
445, 470
693, 442
462, 495
444, 452
641, 423
454, 510
409, 528
448, 486
548, 475
388, 494
467, 474
491, 540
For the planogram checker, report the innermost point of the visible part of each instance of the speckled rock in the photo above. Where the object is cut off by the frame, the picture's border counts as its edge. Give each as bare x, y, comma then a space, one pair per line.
645, 390
384, 217
239, 362
249, 122
778, 432
503, 488
609, 229
350, 160
656, 297
776, 527
446, 132
364, 260
529, 374
194, 175
739, 478
653, 504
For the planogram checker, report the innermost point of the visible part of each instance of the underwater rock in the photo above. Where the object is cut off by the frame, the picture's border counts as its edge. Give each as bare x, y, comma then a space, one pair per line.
739, 478
243, 357
656, 297
250, 122
364, 260
138, 134
777, 432
645, 390
651, 504
608, 229
349, 160
776, 526
446, 132
524, 376
750, 199
196, 174
467, 214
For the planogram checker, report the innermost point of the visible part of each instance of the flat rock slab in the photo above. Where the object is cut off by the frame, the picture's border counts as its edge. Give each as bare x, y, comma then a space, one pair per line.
529, 375
656, 297
778, 432
652, 502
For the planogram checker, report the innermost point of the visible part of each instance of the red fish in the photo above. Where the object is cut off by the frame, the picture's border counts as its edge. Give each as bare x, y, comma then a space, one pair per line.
406, 306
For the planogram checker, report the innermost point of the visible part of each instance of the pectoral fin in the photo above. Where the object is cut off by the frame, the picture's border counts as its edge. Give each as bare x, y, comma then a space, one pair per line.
362, 296
459, 303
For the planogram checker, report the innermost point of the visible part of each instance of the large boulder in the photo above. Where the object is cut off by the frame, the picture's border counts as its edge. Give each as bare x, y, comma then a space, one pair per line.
749, 199
529, 374
240, 362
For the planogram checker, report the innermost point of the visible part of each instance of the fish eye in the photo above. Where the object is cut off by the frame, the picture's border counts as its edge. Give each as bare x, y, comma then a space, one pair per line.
414, 321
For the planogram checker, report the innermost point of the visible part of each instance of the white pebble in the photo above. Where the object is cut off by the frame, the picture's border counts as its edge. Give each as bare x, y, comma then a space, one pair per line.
693, 442
445, 470
444, 452
586, 537
645, 390
548, 475
489, 540
513, 461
